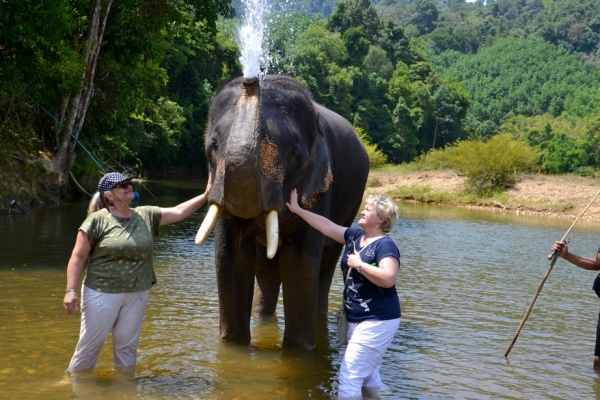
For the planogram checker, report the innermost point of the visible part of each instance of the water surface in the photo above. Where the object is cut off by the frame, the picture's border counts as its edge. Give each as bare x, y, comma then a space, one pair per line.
466, 279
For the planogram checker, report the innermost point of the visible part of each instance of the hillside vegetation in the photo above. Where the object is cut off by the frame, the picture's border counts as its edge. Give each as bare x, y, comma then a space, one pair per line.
131, 81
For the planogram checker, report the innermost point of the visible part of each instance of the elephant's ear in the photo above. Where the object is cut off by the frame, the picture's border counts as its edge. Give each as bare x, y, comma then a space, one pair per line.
317, 173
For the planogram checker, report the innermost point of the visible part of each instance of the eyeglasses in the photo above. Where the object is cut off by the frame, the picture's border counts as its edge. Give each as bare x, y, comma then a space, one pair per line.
382, 200
123, 185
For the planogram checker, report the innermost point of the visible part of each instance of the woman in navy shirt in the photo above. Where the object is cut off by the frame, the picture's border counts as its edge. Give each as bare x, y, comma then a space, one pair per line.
370, 299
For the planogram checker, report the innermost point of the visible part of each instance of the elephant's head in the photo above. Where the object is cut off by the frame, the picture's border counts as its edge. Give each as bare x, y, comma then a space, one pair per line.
263, 139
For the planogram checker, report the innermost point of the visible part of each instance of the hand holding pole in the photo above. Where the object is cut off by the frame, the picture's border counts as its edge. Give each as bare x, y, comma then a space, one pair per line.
550, 256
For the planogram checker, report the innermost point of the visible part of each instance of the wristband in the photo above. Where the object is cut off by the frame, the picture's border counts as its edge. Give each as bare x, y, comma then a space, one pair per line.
72, 291
359, 268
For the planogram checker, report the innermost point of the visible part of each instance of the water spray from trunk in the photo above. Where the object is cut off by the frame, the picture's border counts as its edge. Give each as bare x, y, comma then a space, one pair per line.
250, 38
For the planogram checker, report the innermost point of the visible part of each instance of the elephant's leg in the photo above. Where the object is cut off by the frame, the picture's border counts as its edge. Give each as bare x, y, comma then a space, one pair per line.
268, 281
299, 266
235, 263
329, 262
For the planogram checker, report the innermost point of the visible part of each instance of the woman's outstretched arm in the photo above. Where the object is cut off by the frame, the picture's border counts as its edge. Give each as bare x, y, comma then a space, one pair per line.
185, 209
320, 223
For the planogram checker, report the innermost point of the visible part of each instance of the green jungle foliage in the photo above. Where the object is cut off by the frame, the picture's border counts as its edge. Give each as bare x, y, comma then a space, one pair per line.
366, 69
139, 114
564, 144
522, 77
412, 75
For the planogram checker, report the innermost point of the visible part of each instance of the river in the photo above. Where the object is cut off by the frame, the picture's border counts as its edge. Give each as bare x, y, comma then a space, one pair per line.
466, 279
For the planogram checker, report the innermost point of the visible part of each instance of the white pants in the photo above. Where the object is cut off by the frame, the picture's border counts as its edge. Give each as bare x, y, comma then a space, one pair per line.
102, 312
367, 343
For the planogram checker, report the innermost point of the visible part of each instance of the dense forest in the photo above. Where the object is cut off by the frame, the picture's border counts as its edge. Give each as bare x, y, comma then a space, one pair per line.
129, 81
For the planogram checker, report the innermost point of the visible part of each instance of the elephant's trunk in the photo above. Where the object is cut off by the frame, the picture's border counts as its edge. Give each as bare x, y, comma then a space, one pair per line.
242, 156
238, 170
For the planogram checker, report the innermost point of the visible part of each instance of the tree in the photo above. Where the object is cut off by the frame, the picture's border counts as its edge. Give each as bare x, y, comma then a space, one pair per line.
39, 61
356, 44
395, 43
74, 107
353, 14
136, 32
315, 57
282, 35
448, 114
376, 61
424, 15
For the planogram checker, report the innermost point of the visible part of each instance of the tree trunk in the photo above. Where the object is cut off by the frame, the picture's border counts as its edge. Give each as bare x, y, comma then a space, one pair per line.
75, 107
435, 133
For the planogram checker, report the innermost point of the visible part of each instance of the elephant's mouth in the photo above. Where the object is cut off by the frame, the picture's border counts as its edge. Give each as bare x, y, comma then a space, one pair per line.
271, 231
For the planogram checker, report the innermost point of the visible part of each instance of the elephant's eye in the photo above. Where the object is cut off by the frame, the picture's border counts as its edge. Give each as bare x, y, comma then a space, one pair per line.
294, 150
214, 146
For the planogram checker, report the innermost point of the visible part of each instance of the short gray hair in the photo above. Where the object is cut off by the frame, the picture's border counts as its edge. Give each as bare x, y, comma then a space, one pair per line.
386, 209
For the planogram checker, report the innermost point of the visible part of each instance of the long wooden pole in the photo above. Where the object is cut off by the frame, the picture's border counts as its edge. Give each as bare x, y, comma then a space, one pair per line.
553, 257
537, 292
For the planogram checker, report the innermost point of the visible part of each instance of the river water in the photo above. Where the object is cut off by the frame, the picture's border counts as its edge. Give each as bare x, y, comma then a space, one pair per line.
466, 279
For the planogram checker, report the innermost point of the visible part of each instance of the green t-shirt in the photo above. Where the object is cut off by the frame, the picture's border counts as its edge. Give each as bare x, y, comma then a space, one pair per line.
121, 259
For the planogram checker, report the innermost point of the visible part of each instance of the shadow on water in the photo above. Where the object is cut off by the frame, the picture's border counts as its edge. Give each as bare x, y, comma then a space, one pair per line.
466, 279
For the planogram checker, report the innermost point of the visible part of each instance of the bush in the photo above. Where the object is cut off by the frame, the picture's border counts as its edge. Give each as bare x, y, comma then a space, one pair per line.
376, 158
373, 182
433, 159
585, 171
565, 154
492, 165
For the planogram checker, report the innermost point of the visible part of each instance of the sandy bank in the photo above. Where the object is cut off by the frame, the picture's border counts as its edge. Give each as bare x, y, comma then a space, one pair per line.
553, 196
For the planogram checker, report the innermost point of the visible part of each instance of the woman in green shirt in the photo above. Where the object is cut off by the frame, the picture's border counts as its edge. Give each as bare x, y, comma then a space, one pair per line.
118, 242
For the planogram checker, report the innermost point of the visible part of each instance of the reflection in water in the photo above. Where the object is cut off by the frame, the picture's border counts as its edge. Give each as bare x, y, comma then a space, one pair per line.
465, 282
102, 384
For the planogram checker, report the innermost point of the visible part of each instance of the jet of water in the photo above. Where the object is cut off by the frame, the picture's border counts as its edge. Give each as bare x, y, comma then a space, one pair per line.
250, 37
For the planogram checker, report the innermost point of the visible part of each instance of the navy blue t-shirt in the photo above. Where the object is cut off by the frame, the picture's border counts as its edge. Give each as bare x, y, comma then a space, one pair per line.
363, 299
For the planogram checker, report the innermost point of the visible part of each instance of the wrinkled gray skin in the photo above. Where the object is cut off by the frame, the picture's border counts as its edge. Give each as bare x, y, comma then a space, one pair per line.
262, 140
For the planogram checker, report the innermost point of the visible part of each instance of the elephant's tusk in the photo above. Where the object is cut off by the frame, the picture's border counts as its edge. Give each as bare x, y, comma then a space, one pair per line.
272, 233
212, 216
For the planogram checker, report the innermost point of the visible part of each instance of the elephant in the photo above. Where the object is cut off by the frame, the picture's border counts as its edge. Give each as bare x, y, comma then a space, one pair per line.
264, 138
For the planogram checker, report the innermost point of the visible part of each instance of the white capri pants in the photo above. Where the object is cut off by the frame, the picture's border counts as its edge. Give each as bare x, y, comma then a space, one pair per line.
122, 313
367, 343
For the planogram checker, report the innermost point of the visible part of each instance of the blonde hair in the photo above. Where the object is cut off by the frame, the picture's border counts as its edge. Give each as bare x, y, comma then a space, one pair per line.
97, 202
386, 209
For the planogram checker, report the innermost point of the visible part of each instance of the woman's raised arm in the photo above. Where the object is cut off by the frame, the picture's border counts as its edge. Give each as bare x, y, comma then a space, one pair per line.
320, 223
